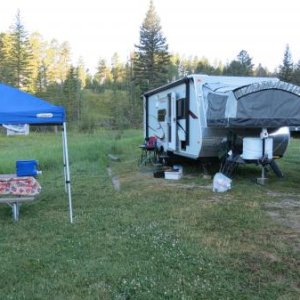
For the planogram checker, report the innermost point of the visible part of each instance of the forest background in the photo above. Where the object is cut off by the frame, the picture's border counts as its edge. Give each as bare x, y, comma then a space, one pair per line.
111, 97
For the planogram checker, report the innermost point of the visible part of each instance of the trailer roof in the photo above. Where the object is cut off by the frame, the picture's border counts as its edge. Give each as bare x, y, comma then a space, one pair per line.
166, 86
215, 83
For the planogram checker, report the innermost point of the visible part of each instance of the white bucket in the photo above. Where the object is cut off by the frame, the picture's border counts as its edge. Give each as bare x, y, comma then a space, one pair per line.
253, 148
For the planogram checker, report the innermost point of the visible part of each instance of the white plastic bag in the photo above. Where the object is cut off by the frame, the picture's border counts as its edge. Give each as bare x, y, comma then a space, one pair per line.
221, 183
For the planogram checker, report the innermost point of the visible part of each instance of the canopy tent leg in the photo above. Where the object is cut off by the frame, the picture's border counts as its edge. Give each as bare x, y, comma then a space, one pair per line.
64, 161
67, 170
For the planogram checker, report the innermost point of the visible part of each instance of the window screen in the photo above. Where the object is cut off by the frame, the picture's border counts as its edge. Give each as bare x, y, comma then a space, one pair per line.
180, 108
161, 115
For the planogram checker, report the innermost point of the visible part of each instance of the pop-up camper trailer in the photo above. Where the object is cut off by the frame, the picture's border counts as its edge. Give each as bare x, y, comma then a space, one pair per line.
198, 115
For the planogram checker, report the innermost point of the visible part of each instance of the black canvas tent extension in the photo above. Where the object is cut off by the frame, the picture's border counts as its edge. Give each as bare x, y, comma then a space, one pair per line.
252, 103
18, 107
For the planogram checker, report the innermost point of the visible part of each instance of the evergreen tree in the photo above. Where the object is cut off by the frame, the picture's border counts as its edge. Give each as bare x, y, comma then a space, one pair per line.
296, 75
21, 55
41, 79
51, 61
234, 68
188, 65
286, 69
181, 66
6, 70
37, 83
89, 80
260, 71
82, 73
242, 66
117, 69
204, 67
218, 67
134, 110
246, 61
152, 57
57, 61
103, 75
71, 90
64, 58
174, 67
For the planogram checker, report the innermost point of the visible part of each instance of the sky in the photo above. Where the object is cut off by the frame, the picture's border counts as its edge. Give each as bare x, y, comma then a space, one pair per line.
215, 29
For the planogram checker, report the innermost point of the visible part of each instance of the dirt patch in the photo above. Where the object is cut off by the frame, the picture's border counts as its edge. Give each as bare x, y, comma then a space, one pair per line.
276, 194
286, 212
288, 204
114, 179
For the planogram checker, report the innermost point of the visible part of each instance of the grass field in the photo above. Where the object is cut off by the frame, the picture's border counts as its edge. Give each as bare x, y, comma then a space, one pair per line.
152, 239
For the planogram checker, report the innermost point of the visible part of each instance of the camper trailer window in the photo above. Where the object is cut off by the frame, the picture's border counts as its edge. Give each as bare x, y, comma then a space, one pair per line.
161, 115
180, 108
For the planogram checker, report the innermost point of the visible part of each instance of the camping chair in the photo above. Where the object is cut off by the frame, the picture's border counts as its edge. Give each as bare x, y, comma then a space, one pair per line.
15, 191
149, 151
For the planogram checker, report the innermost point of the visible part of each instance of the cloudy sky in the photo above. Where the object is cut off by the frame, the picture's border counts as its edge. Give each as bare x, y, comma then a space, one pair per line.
215, 29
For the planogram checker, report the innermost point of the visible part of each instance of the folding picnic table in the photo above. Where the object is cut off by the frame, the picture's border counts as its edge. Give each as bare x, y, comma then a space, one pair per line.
17, 190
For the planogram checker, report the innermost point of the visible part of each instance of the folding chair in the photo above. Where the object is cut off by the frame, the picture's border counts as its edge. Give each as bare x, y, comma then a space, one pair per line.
149, 151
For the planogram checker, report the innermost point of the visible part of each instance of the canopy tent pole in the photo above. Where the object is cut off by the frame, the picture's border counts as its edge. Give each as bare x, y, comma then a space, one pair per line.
64, 161
67, 170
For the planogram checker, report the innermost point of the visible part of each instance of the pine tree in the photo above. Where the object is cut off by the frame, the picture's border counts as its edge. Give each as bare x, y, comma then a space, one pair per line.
246, 62
296, 75
51, 61
21, 55
82, 73
57, 61
103, 75
286, 69
71, 89
204, 67
174, 67
134, 110
64, 58
260, 71
37, 83
242, 66
117, 69
6, 70
152, 57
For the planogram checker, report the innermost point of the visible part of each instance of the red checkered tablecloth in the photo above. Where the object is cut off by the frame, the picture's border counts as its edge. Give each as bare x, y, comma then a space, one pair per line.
21, 186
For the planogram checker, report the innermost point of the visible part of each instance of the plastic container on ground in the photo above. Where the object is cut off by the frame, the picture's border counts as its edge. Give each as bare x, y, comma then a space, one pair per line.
221, 183
173, 175
27, 168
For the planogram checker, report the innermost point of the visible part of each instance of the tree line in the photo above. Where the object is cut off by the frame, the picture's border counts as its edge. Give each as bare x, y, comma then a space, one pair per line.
111, 96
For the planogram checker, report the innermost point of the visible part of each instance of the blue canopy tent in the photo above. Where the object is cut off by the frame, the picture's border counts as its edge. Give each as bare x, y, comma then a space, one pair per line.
18, 107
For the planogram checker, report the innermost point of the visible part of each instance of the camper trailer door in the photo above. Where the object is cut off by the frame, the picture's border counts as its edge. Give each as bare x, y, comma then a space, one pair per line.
162, 120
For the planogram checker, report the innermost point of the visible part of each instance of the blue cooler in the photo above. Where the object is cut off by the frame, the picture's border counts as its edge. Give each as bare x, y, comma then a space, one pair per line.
27, 168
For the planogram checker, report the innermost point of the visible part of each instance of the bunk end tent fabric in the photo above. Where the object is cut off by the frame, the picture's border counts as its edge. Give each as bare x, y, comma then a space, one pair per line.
18, 107
266, 102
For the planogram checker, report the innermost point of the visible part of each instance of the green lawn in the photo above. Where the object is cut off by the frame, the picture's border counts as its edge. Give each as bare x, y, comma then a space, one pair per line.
153, 239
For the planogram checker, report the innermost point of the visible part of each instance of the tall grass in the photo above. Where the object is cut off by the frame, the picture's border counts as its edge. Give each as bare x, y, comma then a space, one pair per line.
153, 239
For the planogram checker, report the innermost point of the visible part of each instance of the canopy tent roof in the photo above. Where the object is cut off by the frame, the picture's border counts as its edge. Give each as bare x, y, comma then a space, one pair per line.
18, 107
